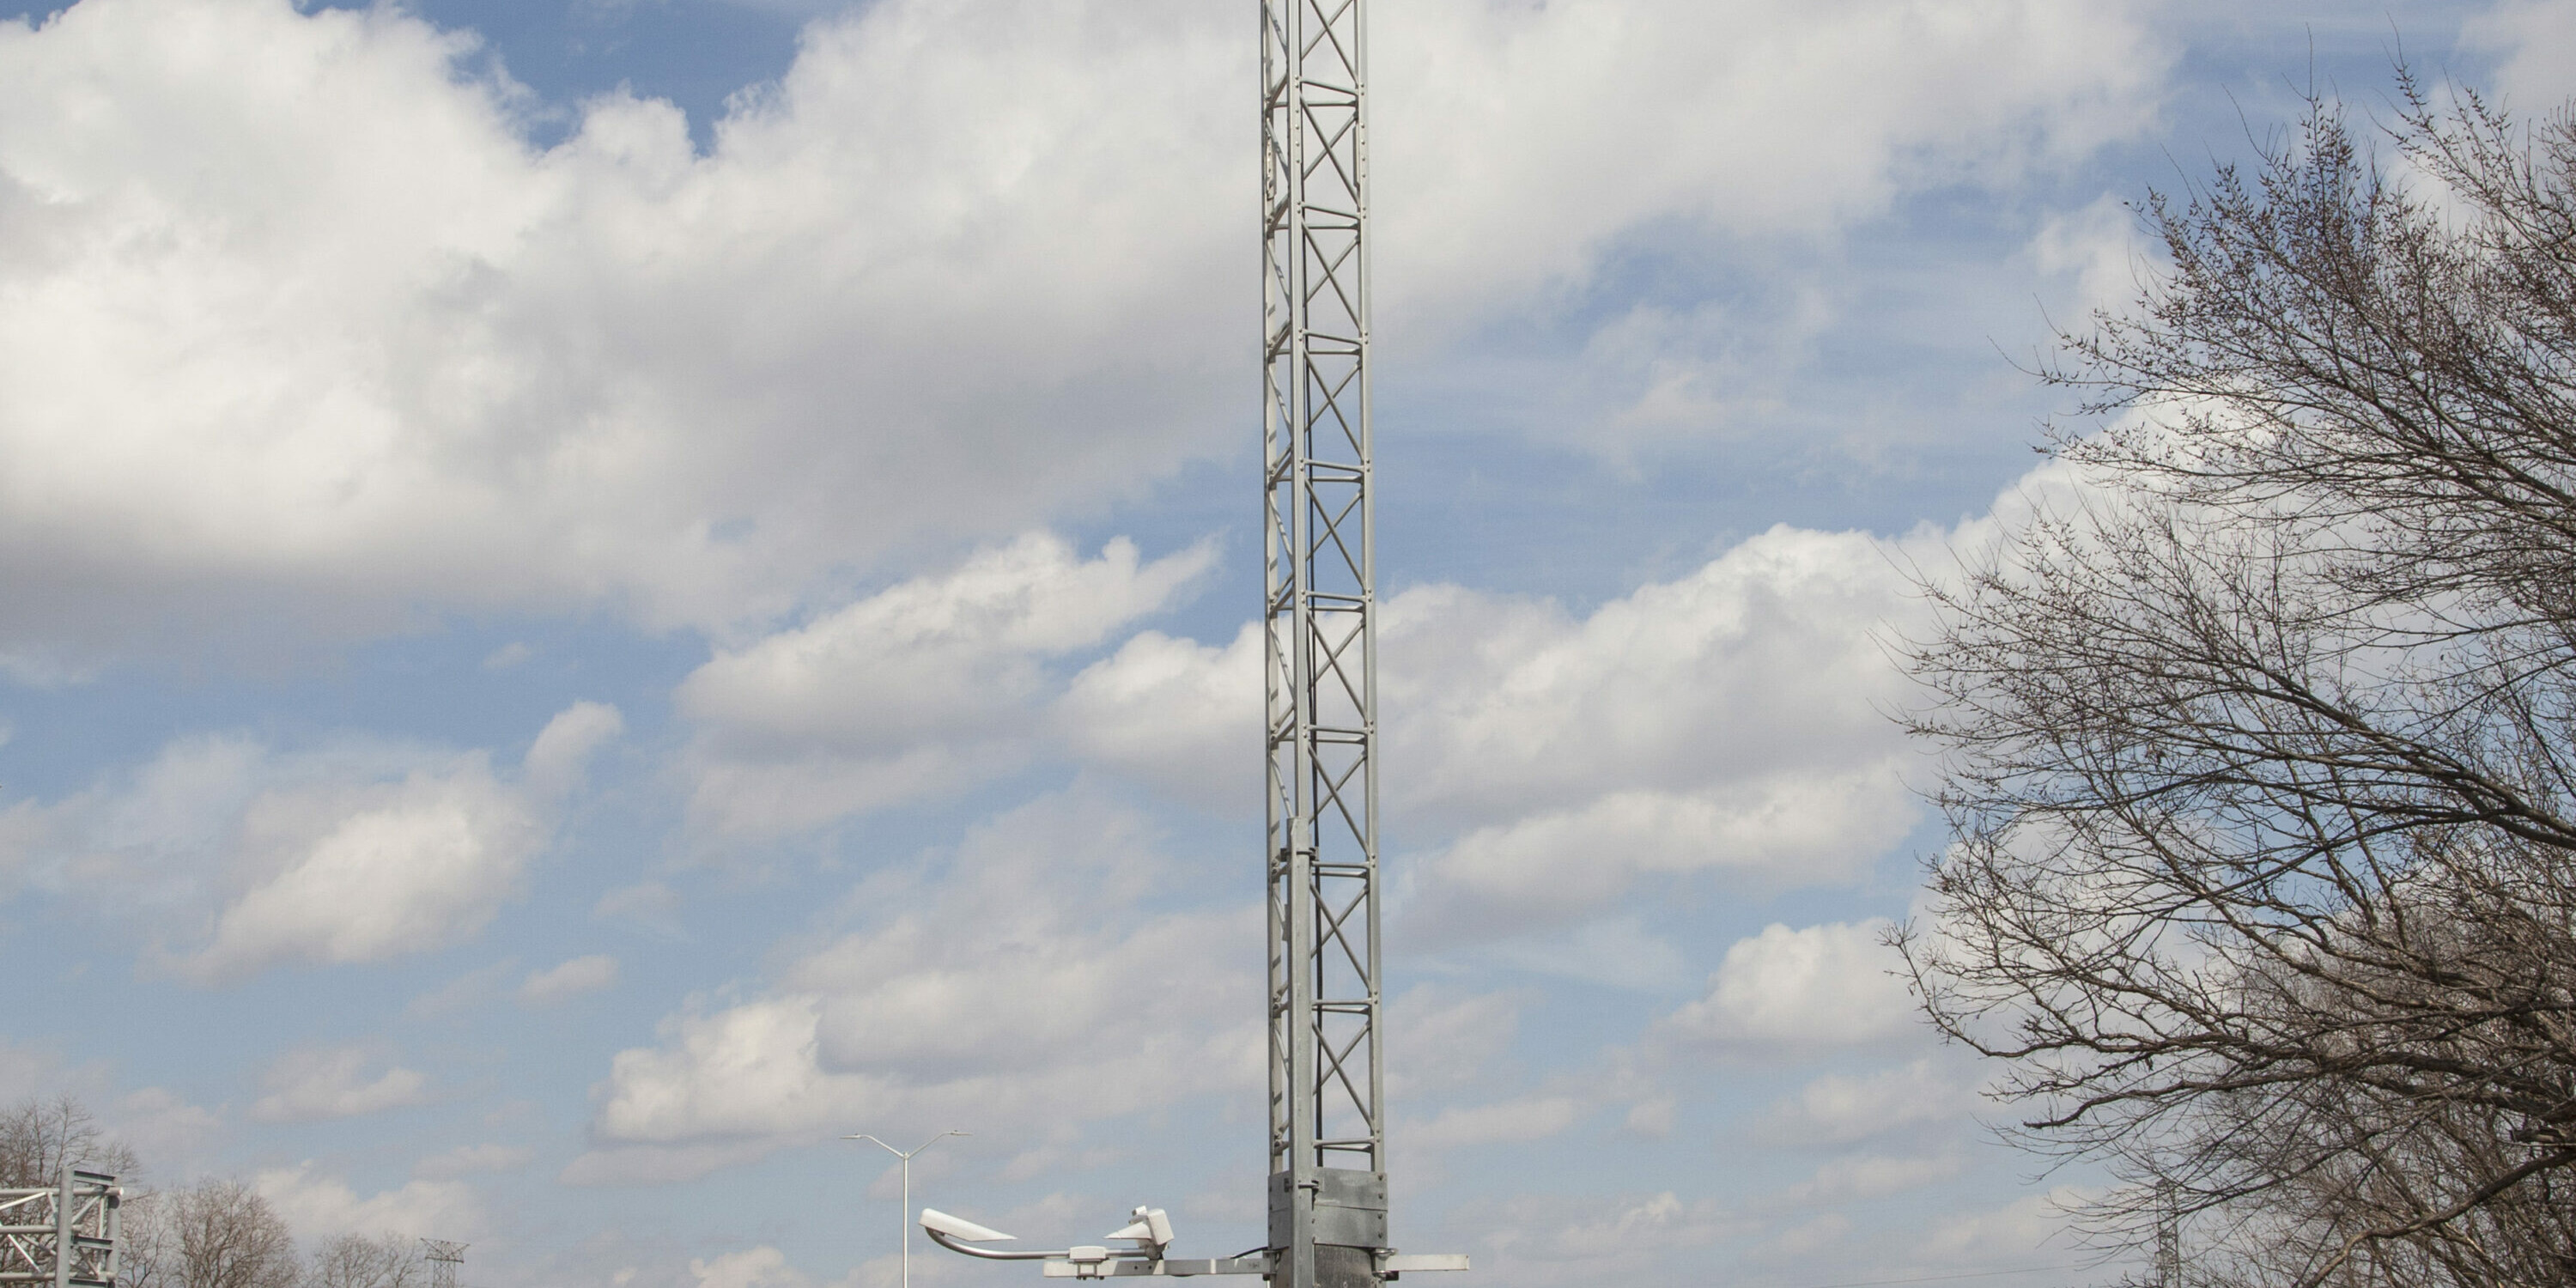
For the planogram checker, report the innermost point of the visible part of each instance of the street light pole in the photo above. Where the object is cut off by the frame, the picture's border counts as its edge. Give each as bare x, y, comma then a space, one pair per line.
903, 1215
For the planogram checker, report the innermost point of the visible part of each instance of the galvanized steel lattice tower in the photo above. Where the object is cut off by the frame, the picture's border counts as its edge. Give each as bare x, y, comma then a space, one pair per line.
1327, 1140
63, 1235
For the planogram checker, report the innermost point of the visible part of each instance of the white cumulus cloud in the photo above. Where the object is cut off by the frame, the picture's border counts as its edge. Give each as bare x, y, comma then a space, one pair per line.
318, 1205
1726, 722
1840, 1109
362, 873
760, 1267
2532, 39
918, 688
297, 317
1178, 715
1588, 1239
1755, 116
569, 980
1523, 1118
466, 1160
1870, 1176
1024, 986
334, 1082
300, 326
1800, 990
1729, 721
558, 759
235, 856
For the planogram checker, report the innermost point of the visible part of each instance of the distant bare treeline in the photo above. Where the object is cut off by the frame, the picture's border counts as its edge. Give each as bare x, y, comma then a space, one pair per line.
216, 1233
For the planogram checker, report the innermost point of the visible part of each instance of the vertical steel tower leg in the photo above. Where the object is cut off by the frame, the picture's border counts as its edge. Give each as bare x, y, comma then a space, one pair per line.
1328, 1182
63, 1235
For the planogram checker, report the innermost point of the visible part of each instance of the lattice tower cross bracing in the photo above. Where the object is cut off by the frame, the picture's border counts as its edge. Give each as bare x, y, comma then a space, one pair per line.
1327, 1075
444, 1256
64, 1234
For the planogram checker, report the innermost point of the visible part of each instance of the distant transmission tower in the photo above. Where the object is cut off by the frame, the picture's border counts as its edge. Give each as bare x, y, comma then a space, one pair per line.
2169, 1247
1327, 1077
444, 1257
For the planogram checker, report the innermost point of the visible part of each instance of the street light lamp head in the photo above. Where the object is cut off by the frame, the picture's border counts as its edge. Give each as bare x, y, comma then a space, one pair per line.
961, 1229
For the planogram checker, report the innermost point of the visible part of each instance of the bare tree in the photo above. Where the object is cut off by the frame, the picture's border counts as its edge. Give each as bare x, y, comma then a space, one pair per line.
215, 1234
147, 1256
2259, 761
356, 1261
38, 1138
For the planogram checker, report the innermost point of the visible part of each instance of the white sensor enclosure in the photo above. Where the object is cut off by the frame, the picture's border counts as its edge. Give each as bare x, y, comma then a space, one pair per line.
1147, 1228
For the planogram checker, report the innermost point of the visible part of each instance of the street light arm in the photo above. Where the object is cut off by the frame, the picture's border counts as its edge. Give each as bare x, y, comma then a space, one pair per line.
989, 1254
906, 1163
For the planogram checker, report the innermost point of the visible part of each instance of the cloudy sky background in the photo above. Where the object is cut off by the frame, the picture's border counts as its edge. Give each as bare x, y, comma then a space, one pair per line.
596, 593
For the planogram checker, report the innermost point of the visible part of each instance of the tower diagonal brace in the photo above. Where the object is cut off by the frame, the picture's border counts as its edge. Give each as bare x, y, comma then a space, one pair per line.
1327, 1073
63, 1235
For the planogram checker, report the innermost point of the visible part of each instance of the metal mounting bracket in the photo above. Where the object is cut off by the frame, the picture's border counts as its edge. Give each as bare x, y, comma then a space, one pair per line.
1149, 1233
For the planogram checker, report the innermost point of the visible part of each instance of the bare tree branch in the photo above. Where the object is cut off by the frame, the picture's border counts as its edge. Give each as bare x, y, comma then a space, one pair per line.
2259, 773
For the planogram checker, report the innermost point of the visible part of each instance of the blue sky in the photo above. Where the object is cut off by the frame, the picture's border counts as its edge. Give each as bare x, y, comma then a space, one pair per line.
600, 593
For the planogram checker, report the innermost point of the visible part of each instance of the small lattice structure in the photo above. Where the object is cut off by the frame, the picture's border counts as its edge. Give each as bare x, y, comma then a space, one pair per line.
444, 1257
63, 1234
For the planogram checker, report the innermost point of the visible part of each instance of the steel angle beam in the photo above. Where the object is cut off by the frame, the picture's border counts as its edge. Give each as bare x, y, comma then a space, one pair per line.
1327, 1075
